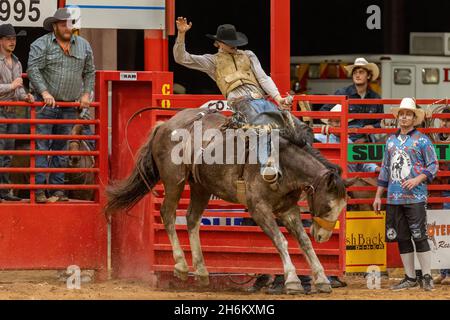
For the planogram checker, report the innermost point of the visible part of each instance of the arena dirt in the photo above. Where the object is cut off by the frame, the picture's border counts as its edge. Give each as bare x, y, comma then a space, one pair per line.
38, 285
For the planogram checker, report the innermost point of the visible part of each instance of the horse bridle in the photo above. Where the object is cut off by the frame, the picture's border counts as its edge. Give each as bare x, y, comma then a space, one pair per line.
323, 223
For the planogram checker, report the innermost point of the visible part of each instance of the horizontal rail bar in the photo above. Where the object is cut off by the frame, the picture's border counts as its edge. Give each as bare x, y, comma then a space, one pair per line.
373, 188
189, 97
383, 200
242, 249
395, 101
50, 186
49, 121
49, 153
49, 170
41, 104
240, 270
393, 130
48, 137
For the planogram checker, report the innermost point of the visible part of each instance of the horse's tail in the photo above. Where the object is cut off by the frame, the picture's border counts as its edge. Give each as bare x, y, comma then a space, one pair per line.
145, 175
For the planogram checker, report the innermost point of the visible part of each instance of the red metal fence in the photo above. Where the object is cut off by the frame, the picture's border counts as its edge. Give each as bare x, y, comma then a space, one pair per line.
56, 235
227, 248
53, 236
238, 249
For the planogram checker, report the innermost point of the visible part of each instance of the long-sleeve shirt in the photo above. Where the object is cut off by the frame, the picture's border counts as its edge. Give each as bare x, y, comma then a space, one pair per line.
406, 157
352, 167
352, 93
207, 63
7, 76
65, 76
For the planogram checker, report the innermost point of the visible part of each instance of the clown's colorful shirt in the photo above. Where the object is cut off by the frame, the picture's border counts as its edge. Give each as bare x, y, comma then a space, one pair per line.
406, 157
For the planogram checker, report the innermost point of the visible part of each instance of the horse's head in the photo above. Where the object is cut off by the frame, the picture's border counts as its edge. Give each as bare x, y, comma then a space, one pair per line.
326, 199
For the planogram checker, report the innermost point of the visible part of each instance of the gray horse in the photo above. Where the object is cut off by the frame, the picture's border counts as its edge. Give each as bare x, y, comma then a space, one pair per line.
303, 168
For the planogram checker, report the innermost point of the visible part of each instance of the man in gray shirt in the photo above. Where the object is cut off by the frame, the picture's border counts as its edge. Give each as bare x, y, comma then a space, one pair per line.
11, 89
238, 74
60, 68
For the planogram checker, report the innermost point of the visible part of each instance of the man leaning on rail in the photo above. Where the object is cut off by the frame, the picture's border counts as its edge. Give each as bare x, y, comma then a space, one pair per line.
11, 89
362, 73
60, 68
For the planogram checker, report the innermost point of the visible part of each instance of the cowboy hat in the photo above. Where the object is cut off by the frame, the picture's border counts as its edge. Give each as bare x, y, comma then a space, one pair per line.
362, 63
62, 14
336, 108
227, 34
410, 104
7, 30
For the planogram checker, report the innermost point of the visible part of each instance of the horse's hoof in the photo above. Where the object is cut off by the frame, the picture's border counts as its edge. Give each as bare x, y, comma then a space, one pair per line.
294, 288
203, 280
182, 275
323, 287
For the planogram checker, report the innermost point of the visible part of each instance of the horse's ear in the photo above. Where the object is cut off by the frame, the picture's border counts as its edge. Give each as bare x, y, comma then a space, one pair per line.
350, 182
331, 180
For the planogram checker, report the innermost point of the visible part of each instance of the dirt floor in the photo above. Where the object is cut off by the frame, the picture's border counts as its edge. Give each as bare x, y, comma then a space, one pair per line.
44, 285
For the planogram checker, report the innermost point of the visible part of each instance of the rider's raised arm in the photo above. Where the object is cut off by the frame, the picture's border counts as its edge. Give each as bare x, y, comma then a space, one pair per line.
205, 63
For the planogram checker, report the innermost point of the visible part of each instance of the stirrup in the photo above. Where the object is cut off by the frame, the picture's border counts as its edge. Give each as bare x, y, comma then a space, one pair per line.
274, 172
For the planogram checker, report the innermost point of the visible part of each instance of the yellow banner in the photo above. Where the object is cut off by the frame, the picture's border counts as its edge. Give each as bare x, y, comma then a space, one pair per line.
365, 242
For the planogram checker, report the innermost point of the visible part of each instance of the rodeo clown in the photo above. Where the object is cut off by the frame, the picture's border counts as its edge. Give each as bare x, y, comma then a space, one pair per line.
238, 74
409, 162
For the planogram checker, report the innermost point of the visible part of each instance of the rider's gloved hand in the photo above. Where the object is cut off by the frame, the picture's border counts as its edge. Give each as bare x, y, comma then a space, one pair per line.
284, 103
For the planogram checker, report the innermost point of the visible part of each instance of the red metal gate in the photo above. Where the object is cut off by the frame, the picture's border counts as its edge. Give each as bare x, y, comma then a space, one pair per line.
56, 235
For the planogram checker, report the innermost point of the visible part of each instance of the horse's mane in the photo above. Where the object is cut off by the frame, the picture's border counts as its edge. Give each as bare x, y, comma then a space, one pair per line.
304, 139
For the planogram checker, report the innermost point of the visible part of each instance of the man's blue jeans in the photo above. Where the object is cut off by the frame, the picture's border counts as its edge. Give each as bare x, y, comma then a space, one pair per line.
260, 106
56, 113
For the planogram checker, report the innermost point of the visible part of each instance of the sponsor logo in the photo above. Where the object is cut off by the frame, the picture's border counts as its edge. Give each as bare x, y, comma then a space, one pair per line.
359, 241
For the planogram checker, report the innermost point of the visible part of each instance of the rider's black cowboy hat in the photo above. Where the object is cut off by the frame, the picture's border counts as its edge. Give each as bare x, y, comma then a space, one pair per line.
227, 34
62, 14
7, 30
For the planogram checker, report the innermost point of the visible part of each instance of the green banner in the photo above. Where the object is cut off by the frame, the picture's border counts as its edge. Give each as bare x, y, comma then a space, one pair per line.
375, 152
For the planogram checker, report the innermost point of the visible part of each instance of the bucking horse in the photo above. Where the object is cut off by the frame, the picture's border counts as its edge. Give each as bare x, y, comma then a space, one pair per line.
303, 169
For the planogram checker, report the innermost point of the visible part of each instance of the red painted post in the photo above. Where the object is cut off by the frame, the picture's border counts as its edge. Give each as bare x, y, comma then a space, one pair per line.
156, 52
61, 3
280, 40
170, 17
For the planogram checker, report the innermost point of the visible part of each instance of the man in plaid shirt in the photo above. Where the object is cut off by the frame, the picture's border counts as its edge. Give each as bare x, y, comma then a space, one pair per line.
60, 68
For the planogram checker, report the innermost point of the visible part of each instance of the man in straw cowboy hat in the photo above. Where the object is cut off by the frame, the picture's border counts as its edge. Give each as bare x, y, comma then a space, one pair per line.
362, 73
11, 89
60, 68
238, 74
409, 162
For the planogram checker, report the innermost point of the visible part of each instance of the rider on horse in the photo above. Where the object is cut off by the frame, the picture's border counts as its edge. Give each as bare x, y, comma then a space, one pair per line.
238, 75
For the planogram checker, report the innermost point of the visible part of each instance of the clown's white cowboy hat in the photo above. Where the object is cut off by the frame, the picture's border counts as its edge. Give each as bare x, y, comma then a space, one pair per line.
363, 63
336, 108
410, 104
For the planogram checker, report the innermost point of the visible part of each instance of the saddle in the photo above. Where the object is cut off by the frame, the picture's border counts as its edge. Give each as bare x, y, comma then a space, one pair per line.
246, 117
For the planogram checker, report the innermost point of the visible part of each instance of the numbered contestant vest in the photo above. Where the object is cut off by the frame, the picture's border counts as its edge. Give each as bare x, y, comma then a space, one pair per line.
234, 70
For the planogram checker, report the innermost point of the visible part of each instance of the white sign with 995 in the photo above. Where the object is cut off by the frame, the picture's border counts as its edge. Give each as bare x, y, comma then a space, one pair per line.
26, 13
